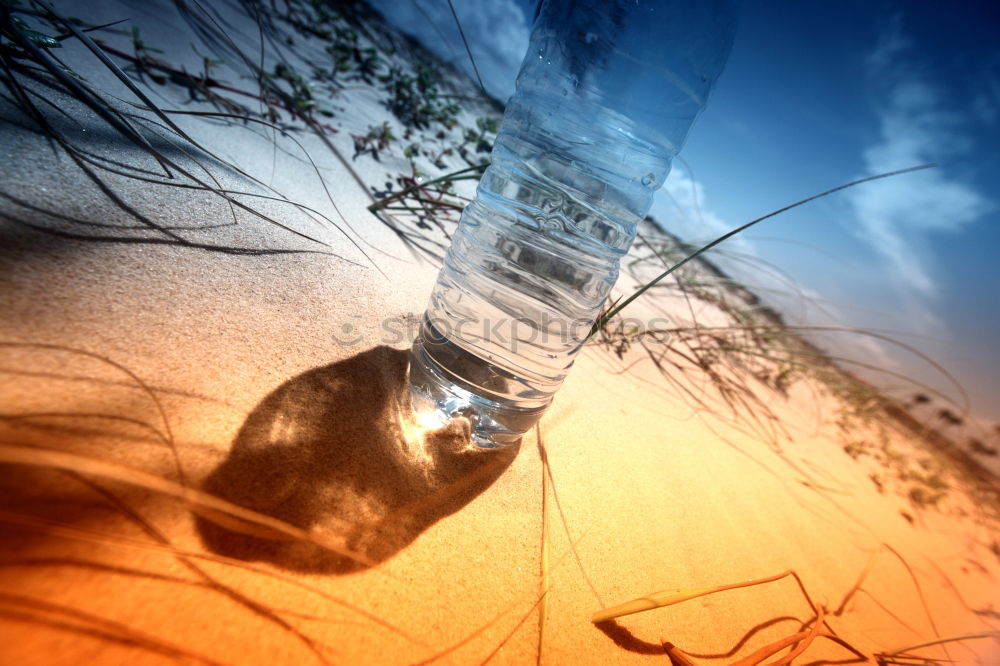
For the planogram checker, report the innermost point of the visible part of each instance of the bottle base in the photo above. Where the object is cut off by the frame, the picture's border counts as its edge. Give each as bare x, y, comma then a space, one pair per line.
494, 424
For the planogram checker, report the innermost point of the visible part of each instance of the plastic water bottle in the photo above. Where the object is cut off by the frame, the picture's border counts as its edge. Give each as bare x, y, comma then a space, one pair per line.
605, 97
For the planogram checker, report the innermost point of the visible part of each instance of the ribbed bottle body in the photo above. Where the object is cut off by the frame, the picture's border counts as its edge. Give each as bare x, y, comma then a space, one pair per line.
572, 173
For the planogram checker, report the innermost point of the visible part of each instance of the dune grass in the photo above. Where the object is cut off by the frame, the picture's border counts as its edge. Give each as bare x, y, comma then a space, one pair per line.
738, 360
818, 626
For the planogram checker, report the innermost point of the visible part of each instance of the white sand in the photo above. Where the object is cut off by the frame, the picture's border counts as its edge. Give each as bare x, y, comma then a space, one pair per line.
239, 371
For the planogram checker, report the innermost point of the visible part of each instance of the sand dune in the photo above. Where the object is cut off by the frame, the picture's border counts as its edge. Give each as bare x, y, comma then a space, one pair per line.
206, 448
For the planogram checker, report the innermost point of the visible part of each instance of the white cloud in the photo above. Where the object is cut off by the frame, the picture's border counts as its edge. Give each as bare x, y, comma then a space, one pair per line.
891, 43
899, 215
683, 209
986, 102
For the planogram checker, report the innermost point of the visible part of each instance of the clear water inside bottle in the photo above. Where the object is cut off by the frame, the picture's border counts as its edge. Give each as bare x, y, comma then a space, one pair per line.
528, 270
605, 98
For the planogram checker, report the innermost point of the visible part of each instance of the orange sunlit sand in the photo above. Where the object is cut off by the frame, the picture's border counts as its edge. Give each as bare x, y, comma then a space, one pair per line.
208, 453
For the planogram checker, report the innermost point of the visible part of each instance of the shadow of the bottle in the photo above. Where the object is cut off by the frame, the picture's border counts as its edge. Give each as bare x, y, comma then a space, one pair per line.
329, 450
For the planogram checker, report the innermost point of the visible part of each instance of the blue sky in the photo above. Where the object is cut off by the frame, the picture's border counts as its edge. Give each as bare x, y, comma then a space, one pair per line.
816, 95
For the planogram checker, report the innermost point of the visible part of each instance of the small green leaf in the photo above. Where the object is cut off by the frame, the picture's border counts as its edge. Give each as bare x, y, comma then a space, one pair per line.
37, 38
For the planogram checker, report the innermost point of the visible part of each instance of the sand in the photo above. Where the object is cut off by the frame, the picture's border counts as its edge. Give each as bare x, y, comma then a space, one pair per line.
342, 532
